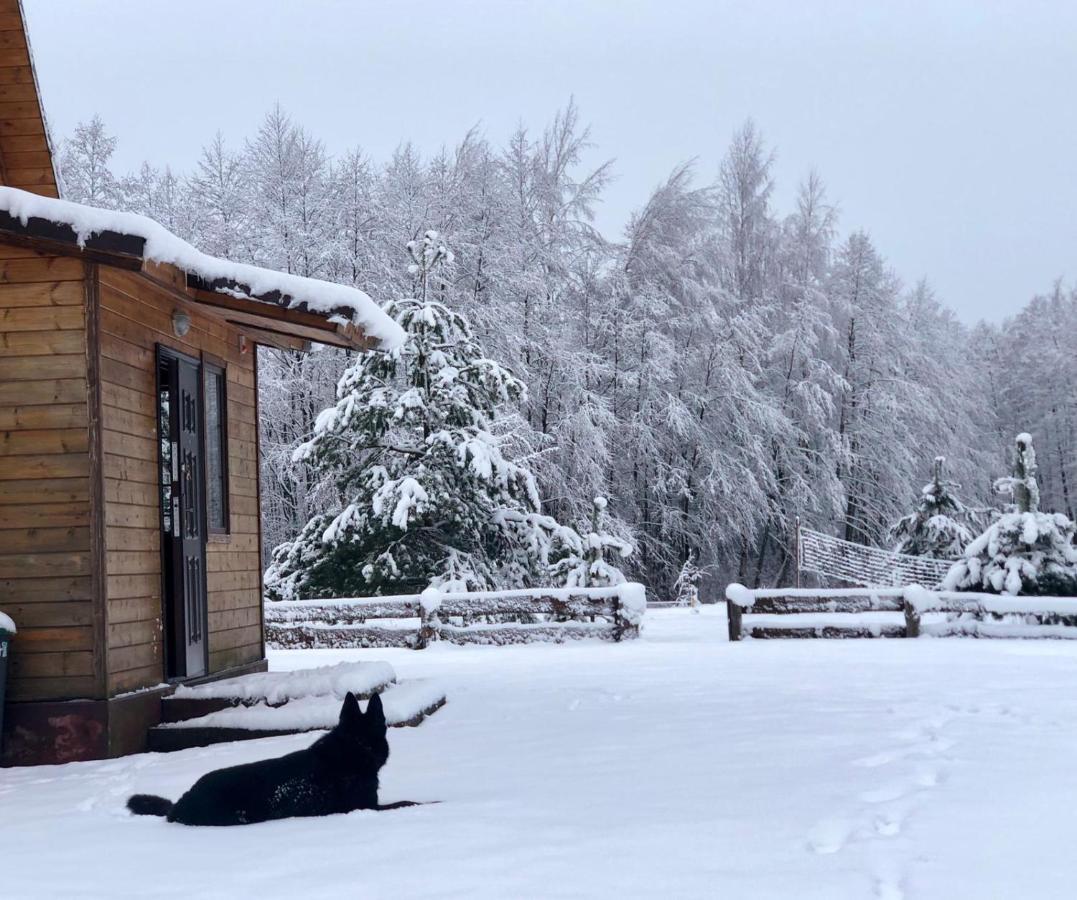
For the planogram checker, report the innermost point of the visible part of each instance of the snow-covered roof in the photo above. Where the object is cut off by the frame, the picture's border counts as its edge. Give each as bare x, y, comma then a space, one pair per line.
337, 303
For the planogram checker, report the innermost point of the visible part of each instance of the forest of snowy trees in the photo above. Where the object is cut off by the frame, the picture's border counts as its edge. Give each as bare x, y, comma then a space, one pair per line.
717, 370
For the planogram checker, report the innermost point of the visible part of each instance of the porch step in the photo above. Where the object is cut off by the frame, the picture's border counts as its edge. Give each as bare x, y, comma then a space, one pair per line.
276, 688
406, 704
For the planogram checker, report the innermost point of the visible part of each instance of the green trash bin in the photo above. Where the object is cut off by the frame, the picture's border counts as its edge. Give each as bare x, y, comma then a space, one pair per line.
7, 631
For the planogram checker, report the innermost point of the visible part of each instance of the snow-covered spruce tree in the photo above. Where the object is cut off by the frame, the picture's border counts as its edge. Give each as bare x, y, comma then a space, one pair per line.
1024, 551
584, 564
937, 528
686, 587
428, 496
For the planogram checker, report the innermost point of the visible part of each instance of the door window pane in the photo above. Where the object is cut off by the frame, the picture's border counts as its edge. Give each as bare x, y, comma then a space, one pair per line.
216, 450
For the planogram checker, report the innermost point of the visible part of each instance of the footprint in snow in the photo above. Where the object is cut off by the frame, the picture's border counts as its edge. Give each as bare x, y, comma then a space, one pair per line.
828, 836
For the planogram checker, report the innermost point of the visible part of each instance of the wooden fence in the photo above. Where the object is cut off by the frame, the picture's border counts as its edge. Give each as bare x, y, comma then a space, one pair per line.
416, 620
871, 612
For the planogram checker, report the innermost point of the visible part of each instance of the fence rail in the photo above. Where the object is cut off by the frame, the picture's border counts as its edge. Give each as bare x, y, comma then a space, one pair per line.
871, 612
416, 620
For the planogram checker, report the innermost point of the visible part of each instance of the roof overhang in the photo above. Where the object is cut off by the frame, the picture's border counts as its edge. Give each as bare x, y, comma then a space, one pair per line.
273, 319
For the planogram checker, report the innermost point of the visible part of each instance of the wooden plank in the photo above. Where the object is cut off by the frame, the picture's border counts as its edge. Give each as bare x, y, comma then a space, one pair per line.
225, 620
20, 589
129, 445
50, 614
125, 515
14, 57
226, 659
51, 565
43, 540
17, 468
50, 640
45, 515
48, 269
142, 380
126, 468
135, 609
57, 490
885, 630
45, 317
40, 368
136, 656
220, 600
13, 39
26, 664
136, 539
20, 127
34, 442
30, 177
25, 690
122, 421
46, 293
24, 159
133, 679
30, 418
824, 604
243, 543
43, 392
127, 634
131, 493
146, 586
133, 562
233, 637
116, 396
42, 343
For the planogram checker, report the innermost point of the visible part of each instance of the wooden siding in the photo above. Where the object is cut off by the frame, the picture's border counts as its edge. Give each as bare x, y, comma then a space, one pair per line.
135, 317
25, 154
46, 559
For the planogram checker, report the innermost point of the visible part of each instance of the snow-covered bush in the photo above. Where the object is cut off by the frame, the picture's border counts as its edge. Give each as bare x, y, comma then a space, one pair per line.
937, 529
1024, 551
430, 498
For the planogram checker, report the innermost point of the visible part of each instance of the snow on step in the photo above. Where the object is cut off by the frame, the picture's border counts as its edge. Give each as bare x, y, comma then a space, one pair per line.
276, 688
406, 703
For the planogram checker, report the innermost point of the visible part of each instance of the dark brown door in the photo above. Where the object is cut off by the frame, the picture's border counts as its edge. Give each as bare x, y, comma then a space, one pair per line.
183, 514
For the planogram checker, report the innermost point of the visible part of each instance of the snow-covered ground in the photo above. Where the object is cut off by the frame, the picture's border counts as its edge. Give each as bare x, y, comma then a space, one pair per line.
674, 766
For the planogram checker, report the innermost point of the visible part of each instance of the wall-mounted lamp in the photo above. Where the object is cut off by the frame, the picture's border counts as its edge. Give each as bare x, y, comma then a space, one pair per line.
243, 345
181, 323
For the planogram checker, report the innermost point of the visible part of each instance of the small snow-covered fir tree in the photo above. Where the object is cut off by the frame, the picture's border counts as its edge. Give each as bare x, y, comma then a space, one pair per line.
1024, 551
686, 587
429, 497
584, 564
937, 528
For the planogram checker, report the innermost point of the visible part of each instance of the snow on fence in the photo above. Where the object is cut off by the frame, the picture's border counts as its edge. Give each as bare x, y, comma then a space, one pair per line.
856, 563
415, 620
873, 612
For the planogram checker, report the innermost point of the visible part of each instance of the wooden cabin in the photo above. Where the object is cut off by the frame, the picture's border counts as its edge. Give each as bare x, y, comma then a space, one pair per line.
129, 501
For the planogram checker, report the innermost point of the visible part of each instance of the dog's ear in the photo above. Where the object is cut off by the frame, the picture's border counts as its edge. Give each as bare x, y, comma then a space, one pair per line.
350, 713
375, 714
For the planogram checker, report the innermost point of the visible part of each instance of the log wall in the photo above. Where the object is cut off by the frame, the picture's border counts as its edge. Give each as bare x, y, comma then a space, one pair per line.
46, 559
135, 317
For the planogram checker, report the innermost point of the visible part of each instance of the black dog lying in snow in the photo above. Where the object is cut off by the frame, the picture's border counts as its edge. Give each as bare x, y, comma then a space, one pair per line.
336, 774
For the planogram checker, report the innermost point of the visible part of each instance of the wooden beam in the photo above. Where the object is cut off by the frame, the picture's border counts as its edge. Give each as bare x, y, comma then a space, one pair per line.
275, 339
295, 322
121, 250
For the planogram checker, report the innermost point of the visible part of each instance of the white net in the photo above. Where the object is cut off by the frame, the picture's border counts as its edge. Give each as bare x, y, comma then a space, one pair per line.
868, 566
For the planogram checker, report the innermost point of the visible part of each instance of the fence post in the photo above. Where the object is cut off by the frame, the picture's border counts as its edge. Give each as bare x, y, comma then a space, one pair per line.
734, 614
427, 628
912, 619
429, 622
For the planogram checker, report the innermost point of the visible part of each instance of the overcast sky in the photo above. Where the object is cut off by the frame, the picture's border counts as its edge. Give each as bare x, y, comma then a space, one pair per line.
947, 129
